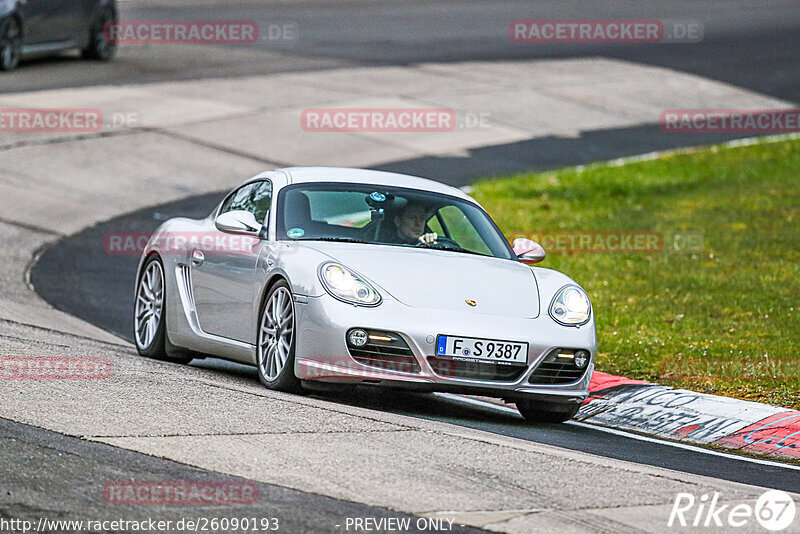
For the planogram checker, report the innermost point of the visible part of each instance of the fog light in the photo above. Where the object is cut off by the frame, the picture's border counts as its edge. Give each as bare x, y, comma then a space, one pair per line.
581, 358
358, 337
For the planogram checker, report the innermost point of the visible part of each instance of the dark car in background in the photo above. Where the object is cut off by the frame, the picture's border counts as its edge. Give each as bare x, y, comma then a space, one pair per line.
37, 28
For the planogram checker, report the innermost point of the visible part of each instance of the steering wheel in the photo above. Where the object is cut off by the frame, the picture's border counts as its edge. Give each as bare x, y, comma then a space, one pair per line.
443, 242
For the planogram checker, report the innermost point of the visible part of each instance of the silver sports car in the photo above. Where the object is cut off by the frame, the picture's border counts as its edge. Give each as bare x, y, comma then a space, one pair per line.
322, 276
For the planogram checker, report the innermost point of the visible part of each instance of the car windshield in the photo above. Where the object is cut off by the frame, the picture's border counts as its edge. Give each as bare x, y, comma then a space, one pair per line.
384, 215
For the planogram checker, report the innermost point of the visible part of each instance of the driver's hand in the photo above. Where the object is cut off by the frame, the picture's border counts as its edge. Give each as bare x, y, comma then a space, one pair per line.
428, 240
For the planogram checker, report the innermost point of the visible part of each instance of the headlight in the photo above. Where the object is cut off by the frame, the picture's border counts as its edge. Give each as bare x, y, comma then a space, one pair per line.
570, 306
344, 284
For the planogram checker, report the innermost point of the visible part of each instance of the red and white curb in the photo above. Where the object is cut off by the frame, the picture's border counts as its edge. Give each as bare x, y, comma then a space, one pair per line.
688, 416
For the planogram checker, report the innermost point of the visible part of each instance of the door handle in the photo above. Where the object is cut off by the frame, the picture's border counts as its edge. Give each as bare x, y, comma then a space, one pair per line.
198, 257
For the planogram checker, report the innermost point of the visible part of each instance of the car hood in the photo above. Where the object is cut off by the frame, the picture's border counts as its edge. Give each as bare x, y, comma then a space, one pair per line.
434, 279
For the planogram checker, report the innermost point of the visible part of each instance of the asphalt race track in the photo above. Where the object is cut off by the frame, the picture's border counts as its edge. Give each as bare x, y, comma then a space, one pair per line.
756, 49
78, 276
752, 47
65, 491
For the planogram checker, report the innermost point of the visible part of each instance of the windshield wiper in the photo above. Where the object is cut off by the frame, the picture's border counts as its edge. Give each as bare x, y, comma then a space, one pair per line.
463, 250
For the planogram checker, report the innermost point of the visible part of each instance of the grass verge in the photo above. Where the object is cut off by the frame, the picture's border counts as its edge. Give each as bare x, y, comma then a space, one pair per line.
717, 308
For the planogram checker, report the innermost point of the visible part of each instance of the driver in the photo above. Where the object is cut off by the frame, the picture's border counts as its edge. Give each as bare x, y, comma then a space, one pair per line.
410, 227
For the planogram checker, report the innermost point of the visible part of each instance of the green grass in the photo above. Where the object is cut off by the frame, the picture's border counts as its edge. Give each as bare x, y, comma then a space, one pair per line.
724, 319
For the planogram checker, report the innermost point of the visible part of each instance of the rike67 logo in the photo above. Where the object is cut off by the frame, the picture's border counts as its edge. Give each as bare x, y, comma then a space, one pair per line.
774, 510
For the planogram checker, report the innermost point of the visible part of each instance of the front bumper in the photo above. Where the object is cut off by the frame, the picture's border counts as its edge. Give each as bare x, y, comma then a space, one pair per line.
322, 353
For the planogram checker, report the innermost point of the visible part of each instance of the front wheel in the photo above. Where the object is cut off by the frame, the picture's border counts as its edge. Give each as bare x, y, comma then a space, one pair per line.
10, 44
546, 412
150, 318
276, 340
100, 46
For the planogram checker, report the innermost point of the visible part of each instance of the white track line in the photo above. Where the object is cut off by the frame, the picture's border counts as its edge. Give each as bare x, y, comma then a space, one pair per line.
616, 432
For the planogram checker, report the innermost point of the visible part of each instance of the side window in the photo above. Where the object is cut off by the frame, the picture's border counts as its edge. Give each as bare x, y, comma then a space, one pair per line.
435, 226
255, 198
462, 231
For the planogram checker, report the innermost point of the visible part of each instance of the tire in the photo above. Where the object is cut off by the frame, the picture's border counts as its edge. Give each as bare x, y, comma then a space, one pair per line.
546, 412
276, 340
99, 47
150, 318
10, 43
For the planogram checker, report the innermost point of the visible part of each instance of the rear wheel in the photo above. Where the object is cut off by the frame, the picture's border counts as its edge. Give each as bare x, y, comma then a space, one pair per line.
276, 340
546, 412
100, 46
10, 43
150, 318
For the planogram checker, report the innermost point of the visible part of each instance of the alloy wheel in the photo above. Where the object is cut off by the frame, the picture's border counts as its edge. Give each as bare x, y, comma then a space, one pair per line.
149, 304
276, 333
10, 45
104, 47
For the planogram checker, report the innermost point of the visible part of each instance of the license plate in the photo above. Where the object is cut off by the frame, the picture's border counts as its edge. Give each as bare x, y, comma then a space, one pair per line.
482, 350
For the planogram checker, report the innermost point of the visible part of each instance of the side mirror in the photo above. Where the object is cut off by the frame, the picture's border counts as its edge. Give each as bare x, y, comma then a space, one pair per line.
238, 222
528, 251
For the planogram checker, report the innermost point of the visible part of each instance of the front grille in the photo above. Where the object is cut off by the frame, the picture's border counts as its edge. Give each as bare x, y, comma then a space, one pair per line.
554, 371
393, 355
490, 372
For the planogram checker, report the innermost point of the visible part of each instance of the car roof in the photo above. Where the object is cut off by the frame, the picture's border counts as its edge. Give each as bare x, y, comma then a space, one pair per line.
364, 176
